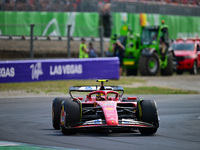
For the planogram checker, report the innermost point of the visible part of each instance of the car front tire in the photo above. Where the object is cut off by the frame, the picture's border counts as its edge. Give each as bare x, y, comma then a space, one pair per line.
70, 116
56, 108
148, 113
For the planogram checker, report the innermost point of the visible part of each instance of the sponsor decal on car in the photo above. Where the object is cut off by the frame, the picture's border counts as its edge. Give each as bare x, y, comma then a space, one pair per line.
88, 88
98, 121
109, 108
109, 104
91, 122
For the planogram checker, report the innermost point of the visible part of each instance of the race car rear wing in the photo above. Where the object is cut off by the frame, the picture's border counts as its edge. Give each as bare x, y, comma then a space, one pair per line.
94, 88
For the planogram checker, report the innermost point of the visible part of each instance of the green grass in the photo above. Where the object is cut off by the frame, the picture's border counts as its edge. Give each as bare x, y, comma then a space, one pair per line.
63, 86
156, 90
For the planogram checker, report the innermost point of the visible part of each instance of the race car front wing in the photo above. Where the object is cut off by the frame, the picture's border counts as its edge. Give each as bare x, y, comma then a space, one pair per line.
123, 123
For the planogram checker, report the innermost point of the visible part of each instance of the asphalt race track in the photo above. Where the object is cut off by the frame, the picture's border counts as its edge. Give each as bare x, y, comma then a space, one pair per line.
28, 120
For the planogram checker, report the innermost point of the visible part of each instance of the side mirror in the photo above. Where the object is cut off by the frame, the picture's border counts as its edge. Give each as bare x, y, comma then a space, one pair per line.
132, 98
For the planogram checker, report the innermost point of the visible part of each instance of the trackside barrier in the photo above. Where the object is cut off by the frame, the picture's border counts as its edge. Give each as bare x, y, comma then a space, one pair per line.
58, 69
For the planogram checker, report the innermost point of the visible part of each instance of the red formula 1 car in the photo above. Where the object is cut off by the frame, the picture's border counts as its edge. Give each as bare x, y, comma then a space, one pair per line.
104, 108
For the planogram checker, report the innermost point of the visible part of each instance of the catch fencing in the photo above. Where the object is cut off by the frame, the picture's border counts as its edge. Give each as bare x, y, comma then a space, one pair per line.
72, 26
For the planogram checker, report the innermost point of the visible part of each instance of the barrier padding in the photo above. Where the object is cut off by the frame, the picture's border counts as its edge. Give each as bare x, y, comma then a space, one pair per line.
59, 69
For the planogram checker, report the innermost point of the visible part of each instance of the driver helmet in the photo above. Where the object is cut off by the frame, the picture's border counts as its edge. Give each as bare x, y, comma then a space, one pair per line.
99, 96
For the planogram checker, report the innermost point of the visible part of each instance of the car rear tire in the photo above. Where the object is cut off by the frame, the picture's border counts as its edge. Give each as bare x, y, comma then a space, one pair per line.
194, 68
148, 113
56, 108
179, 72
70, 116
149, 65
168, 71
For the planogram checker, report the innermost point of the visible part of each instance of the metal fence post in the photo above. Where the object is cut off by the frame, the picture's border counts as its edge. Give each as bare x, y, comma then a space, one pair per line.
31, 41
101, 40
68, 40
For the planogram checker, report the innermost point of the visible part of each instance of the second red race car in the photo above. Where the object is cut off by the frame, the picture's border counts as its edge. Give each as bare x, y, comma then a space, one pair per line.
104, 108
